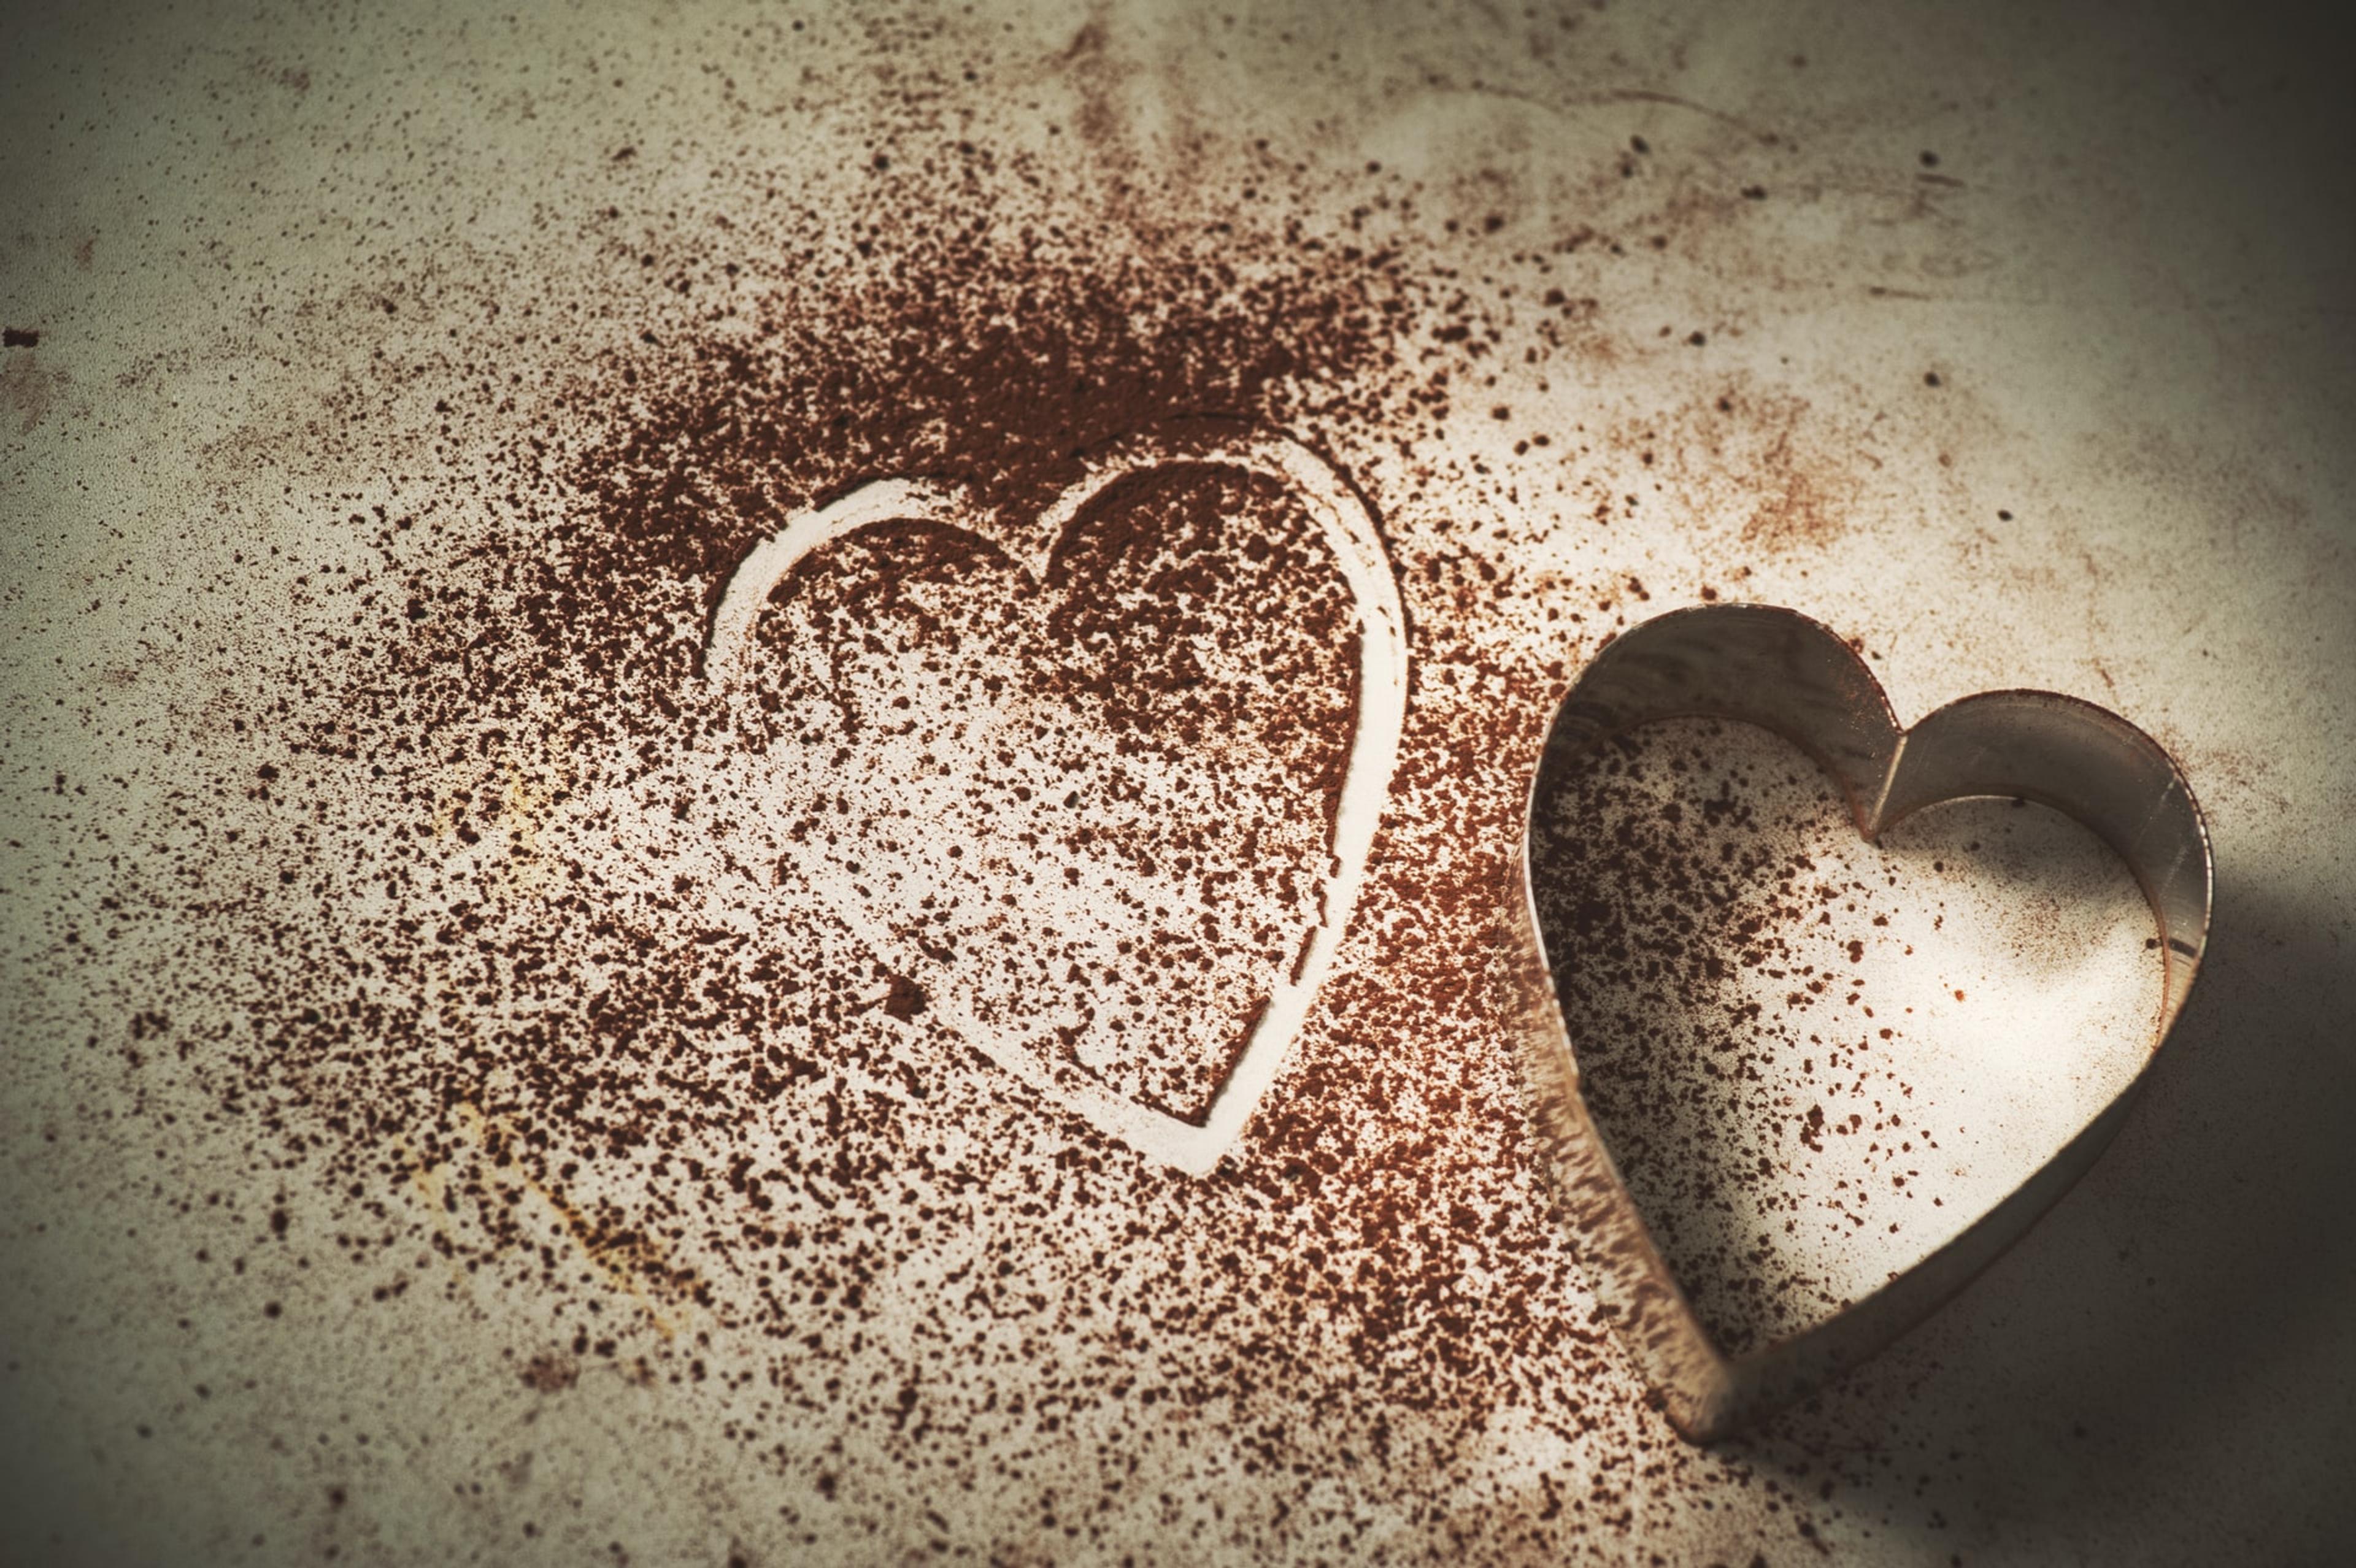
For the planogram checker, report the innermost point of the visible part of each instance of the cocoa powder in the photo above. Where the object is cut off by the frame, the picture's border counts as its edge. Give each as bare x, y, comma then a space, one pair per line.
523, 914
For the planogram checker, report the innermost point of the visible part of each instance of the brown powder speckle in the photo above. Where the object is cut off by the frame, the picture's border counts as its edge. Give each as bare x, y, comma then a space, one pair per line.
904, 999
551, 1372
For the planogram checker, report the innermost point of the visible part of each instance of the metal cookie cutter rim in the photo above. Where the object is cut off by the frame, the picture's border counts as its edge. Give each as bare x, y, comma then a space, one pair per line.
1779, 670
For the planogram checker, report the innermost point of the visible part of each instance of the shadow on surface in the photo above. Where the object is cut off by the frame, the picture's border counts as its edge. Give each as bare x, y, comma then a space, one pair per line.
2198, 1279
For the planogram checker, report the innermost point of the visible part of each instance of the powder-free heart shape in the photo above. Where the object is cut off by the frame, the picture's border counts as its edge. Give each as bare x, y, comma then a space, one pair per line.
1787, 673
1378, 697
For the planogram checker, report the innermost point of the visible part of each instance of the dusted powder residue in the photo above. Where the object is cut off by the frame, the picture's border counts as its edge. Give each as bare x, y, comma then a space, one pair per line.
1815, 1060
1093, 810
535, 971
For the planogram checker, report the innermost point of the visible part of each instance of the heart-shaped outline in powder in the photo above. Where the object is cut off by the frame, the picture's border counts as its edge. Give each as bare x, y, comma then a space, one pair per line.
1786, 673
1347, 527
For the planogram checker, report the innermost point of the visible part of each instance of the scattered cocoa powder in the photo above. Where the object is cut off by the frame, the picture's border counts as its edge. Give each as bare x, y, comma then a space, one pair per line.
500, 901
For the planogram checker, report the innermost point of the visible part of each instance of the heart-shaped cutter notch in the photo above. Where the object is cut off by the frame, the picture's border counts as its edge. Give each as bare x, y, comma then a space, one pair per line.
1346, 522
1785, 673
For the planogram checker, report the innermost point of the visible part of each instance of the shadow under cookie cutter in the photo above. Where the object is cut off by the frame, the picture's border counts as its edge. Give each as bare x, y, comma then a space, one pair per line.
1787, 673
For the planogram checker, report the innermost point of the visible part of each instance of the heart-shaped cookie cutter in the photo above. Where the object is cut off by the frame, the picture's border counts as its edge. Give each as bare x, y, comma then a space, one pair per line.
1787, 673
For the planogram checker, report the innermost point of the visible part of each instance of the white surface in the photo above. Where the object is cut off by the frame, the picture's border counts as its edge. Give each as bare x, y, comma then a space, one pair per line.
1350, 535
2137, 299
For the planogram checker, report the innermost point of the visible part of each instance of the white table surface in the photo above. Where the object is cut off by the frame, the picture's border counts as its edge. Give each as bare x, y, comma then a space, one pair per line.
2132, 276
